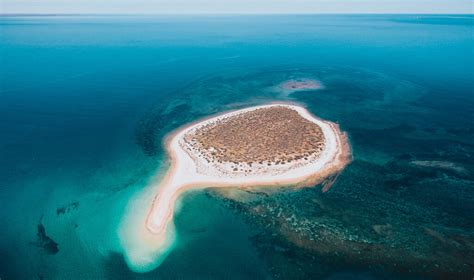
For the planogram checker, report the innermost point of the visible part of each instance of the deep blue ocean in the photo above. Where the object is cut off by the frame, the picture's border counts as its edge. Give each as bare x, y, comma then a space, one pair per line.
85, 102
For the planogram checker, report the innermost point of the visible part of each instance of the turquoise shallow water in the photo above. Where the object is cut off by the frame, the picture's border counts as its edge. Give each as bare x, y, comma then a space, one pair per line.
86, 100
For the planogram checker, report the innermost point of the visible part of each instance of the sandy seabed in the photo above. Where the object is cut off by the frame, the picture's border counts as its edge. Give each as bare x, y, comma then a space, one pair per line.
147, 233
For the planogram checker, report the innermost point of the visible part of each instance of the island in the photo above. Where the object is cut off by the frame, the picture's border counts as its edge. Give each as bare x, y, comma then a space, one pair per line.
265, 146
260, 148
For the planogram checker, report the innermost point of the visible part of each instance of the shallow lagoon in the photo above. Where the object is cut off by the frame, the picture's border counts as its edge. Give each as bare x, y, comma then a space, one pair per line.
85, 102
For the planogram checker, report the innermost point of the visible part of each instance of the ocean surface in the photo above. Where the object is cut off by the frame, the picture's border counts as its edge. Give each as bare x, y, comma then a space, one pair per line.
85, 102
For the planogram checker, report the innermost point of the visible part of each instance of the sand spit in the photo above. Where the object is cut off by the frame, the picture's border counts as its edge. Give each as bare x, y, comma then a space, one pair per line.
263, 146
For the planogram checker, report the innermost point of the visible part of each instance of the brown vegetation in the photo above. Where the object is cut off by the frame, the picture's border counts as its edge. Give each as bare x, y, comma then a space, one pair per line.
273, 135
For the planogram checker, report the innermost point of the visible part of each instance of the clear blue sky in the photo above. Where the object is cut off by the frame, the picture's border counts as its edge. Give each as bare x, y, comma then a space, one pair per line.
237, 6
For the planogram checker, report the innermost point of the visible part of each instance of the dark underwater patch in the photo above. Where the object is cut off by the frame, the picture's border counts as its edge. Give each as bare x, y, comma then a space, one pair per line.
389, 226
67, 208
44, 241
151, 128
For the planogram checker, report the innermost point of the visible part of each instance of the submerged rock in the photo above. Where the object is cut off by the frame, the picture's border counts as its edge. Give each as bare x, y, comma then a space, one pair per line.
67, 208
44, 241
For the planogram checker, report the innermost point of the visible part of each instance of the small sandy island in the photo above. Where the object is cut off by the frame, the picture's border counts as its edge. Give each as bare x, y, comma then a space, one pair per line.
269, 146
263, 146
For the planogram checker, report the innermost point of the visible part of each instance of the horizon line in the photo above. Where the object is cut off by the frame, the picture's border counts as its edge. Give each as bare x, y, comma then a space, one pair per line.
226, 13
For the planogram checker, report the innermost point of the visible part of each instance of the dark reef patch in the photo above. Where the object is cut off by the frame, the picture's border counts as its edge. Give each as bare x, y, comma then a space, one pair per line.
44, 241
67, 208
394, 224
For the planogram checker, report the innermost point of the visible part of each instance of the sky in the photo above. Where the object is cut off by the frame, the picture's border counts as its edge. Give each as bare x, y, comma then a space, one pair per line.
236, 6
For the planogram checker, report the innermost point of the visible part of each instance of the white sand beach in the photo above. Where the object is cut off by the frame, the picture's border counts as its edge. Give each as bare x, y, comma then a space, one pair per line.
152, 239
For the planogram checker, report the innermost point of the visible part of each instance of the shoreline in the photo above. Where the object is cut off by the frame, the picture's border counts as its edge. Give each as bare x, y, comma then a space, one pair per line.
183, 175
147, 232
